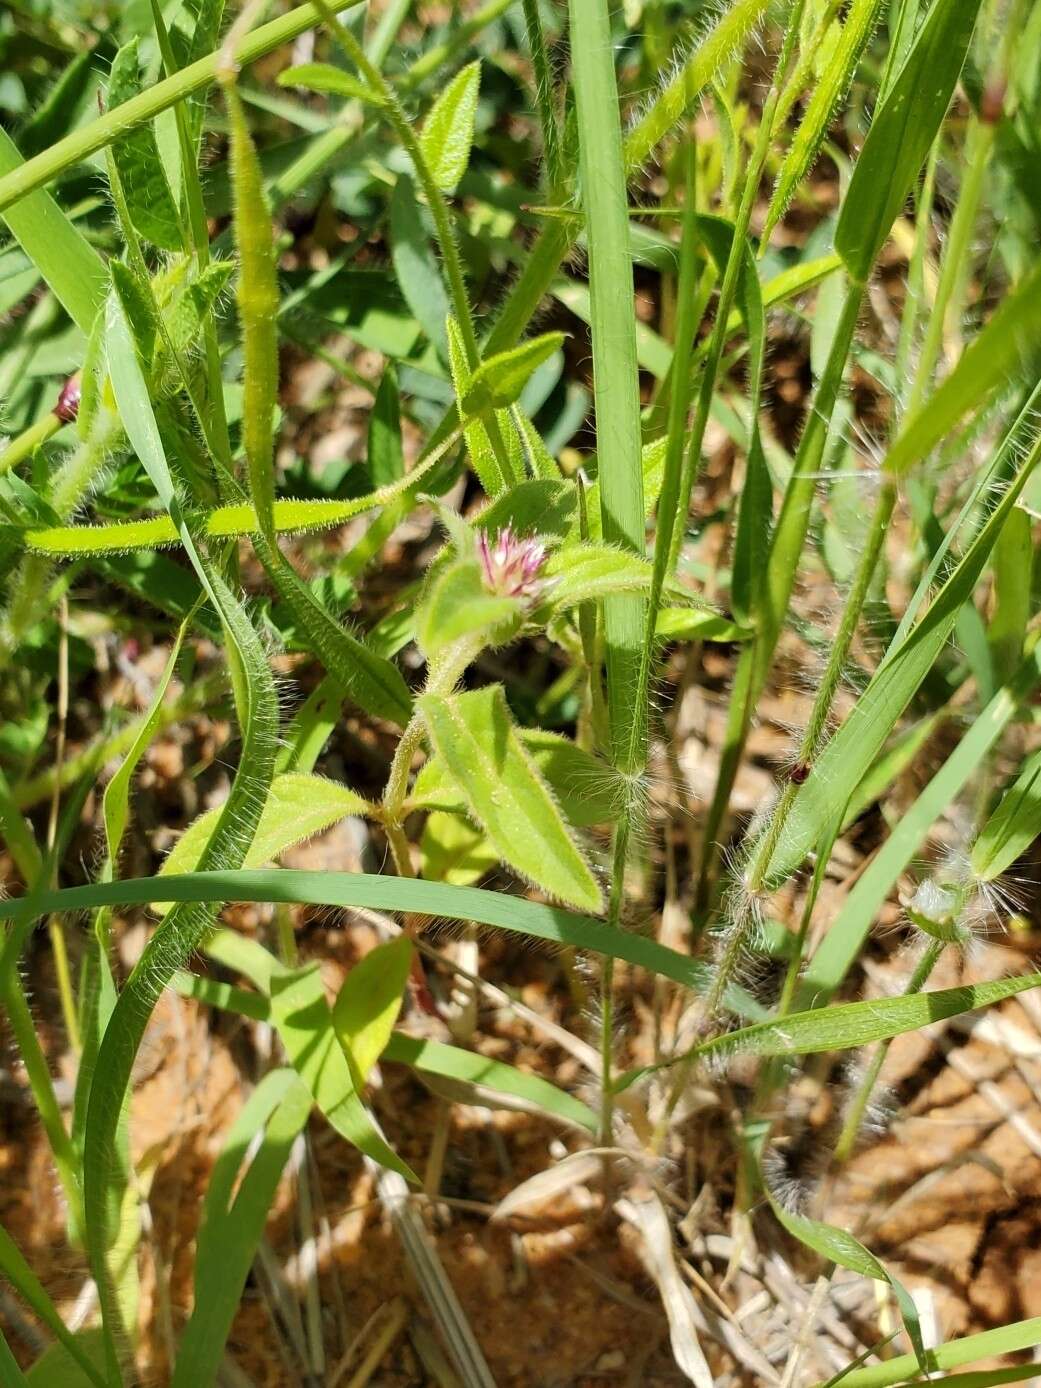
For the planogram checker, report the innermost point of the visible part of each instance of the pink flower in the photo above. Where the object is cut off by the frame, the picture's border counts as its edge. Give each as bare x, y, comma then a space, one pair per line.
511, 565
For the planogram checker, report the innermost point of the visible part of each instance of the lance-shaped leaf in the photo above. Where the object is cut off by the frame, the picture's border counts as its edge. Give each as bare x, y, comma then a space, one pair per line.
904, 127
837, 1246
415, 264
454, 850
589, 790
448, 130
586, 572
324, 77
305, 1024
297, 807
386, 457
498, 381
368, 1004
459, 604
1013, 826
136, 154
505, 793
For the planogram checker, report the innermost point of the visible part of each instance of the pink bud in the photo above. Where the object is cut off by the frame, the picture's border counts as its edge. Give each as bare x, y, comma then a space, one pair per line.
511, 566
68, 406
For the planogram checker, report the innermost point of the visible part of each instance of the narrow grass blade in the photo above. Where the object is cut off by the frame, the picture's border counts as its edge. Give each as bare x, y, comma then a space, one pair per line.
615, 375
29, 1287
234, 1214
1005, 1339
66, 260
348, 889
903, 128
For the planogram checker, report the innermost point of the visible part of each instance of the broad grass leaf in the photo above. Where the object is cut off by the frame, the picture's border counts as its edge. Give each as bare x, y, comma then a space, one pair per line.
448, 130
66, 260
324, 77
499, 380
234, 1214
506, 794
903, 128
454, 850
415, 265
843, 942
136, 154
487, 1077
1013, 826
369, 1002
1005, 349
297, 807
459, 605
589, 790
305, 1024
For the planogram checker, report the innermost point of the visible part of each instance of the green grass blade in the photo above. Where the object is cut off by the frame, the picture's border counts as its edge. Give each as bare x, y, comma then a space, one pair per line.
615, 375
850, 752
844, 940
63, 256
1005, 1339
18, 183
346, 889
1008, 343
29, 1287
233, 1222
903, 128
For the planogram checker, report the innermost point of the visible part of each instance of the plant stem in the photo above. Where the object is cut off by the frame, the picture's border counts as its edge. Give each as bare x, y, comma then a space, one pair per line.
26, 443
544, 98
81, 144
782, 566
855, 1116
614, 912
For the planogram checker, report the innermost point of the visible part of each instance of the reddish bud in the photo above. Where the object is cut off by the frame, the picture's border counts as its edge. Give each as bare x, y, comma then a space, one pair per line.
68, 406
800, 772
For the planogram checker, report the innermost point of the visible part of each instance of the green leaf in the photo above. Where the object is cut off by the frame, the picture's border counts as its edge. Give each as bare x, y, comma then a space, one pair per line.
1003, 350
458, 604
346, 889
698, 624
64, 257
1013, 826
234, 1214
506, 794
454, 850
297, 807
820, 109
1013, 563
29, 1287
903, 129
55, 1365
450, 1062
368, 1004
115, 803
324, 77
386, 458
136, 154
448, 130
499, 380
305, 1024
1003, 1339
837, 1246
822, 798
415, 264
578, 573
589, 790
